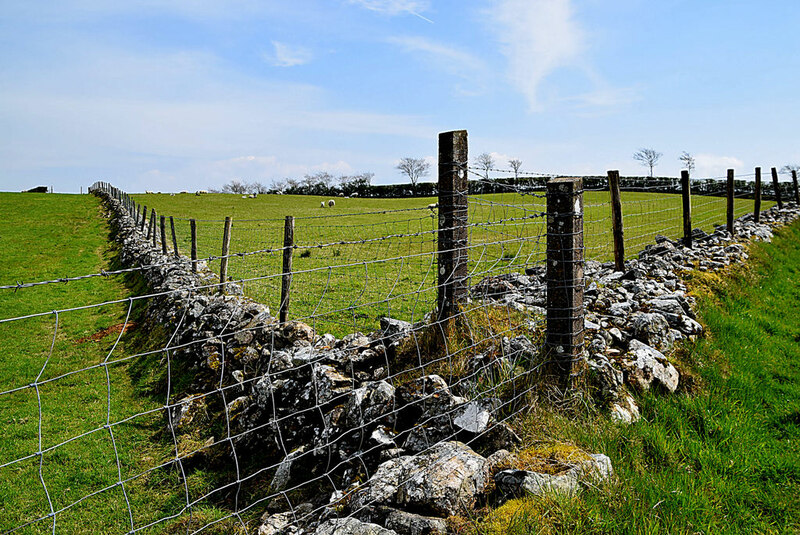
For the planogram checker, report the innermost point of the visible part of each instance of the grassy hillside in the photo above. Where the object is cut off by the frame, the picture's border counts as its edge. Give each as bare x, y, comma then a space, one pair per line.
44, 237
720, 457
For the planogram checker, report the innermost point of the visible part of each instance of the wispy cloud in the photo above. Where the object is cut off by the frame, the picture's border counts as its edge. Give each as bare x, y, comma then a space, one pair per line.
395, 7
537, 37
447, 59
713, 165
285, 55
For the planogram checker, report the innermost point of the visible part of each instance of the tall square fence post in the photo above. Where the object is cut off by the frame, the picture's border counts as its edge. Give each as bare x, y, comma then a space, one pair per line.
565, 283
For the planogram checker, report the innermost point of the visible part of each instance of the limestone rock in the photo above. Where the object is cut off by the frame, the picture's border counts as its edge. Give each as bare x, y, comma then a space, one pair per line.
646, 365
520, 482
442, 481
410, 524
351, 526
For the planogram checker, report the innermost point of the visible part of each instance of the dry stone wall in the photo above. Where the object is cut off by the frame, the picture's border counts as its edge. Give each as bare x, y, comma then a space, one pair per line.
390, 455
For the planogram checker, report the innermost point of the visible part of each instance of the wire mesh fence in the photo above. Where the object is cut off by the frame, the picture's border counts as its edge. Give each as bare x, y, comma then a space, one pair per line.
194, 410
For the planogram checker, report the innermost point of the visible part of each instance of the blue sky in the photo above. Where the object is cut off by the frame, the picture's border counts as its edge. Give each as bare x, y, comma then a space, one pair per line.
188, 94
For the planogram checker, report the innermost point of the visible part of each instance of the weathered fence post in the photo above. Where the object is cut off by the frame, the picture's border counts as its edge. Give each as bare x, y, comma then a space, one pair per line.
143, 222
794, 183
151, 233
162, 226
730, 201
565, 276
757, 206
286, 279
616, 221
777, 188
686, 194
223, 264
174, 238
453, 236
193, 226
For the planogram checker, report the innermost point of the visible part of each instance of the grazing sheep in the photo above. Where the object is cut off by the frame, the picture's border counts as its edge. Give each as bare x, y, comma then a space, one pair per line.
433, 206
331, 203
244, 196
322, 204
184, 191
200, 192
149, 192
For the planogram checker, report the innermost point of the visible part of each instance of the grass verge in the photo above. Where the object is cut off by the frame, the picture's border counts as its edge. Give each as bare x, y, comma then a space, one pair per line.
721, 458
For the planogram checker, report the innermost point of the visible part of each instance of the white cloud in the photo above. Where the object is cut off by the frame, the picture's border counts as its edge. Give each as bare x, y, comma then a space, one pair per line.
537, 37
447, 59
285, 55
395, 7
712, 165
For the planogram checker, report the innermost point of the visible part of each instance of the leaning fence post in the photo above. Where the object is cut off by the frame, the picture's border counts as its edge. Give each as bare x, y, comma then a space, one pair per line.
565, 277
794, 183
143, 222
686, 193
193, 226
616, 221
453, 238
777, 188
286, 279
730, 201
174, 238
757, 206
223, 264
162, 225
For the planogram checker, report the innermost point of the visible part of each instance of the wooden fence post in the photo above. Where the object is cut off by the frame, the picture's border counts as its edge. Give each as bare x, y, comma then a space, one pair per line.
453, 235
144, 220
794, 183
151, 231
162, 225
777, 188
757, 206
565, 277
193, 226
174, 238
616, 221
730, 202
223, 264
286, 280
686, 194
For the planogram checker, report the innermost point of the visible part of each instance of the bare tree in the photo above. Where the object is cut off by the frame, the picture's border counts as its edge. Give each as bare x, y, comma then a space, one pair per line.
687, 160
235, 186
789, 167
648, 158
516, 165
485, 162
413, 168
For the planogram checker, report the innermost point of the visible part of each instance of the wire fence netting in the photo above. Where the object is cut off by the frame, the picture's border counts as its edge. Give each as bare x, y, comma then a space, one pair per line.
186, 409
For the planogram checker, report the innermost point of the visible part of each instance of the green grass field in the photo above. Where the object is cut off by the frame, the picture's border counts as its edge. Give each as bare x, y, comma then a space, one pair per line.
345, 287
720, 456
50, 236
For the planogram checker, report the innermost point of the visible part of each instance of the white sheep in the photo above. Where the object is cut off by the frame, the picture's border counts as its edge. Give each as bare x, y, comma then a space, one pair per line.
148, 192
200, 192
331, 203
322, 204
433, 206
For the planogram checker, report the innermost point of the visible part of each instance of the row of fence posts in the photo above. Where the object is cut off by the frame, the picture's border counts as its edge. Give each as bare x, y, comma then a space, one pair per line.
686, 193
564, 256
